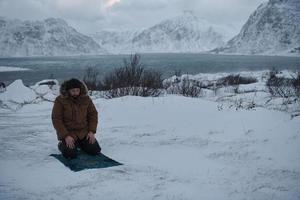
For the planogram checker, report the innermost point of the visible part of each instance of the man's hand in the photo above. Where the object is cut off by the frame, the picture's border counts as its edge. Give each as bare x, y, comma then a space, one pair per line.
91, 137
70, 142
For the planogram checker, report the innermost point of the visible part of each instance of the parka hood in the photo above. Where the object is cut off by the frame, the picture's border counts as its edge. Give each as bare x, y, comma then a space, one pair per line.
64, 93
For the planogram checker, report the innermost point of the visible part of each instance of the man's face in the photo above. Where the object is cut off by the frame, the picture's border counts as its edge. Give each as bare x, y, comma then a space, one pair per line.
74, 92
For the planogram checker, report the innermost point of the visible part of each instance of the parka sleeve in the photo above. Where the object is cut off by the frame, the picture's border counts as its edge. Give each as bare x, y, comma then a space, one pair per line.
92, 116
57, 120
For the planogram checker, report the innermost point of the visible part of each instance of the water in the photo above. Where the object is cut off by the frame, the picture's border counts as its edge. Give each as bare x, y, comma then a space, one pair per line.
74, 66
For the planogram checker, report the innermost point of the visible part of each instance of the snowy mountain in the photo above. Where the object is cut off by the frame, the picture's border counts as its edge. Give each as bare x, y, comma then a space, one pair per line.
50, 37
272, 29
115, 41
184, 33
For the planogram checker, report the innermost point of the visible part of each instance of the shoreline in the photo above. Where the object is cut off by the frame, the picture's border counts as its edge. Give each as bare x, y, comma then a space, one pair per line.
12, 69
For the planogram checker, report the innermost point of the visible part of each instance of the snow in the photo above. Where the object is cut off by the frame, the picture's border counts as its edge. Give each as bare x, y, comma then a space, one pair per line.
272, 29
49, 37
16, 94
172, 147
247, 94
45, 91
9, 69
183, 33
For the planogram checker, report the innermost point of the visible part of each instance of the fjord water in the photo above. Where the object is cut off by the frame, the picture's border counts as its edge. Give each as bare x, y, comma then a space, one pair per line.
74, 66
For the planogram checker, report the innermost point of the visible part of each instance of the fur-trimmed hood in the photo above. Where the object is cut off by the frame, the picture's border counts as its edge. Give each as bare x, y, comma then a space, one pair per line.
64, 93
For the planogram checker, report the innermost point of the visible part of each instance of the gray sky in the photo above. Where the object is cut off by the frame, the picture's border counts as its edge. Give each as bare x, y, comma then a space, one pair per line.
93, 15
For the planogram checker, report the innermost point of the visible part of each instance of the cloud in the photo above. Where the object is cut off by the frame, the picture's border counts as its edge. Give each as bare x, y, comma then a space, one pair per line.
93, 15
111, 3
79, 9
224, 11
29, 9
141, 13
40, 9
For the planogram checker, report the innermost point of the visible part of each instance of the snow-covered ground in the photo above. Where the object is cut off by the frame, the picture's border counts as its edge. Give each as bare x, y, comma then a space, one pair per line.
172, 147
9, 69
242, 95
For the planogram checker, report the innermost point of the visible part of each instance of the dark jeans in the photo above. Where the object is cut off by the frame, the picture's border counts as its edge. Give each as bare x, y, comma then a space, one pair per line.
84, 145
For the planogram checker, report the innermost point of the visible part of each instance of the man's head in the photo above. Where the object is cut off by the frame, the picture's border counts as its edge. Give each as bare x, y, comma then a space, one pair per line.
74, 92
73, 87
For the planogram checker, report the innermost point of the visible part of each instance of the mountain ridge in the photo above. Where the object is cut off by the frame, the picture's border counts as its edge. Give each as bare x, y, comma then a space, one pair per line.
272, 29
49, 37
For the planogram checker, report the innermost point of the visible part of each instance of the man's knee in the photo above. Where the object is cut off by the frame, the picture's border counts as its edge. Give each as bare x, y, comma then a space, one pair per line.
66, 151
92, 149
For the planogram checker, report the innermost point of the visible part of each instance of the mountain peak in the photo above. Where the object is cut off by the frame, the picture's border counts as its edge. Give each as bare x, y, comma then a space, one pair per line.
57, 21
183, 33
189, 13
273, 28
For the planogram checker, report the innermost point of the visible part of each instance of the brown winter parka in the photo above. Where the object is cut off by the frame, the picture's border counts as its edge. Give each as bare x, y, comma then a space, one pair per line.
74, 117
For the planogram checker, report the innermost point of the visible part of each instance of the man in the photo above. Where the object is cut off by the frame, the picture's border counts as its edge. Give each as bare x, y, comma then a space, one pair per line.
75, 119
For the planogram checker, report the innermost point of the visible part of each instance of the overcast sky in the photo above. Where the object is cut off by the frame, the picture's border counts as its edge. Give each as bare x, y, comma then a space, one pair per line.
93, 15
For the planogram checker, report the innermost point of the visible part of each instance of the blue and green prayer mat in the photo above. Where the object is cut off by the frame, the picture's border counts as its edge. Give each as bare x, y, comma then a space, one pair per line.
85, 161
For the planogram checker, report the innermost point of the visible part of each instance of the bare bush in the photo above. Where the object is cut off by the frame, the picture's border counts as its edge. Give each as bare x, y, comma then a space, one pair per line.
281, 86
128, 76
296, 85
2, 87
132, 79
177, 72
90, 78
185, 87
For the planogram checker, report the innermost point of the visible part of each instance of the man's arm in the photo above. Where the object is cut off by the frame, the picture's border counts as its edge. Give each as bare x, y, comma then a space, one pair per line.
57, 120
92, 116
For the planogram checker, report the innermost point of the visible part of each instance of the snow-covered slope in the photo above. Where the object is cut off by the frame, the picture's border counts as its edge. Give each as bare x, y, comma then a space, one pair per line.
172, 148
50, 37
240, 96
184, 33
116, 42
272, 29
17, 94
